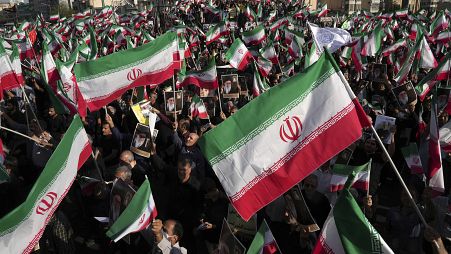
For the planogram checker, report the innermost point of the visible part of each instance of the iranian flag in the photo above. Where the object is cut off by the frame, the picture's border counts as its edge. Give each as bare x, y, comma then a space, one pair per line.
21, 229
264, 242
250, 14
356, 176
427, 59
412, 157
269, 53
347, 230
312, 56
393, 48
439, 24
255, 36
54, 17
103, 80
413, 55
435, 173
433, 77
198, 108
16, 64
264, 65
254, 151
7, 75
402, 13
238, 55
49, 72
323, 12
215, 32
137, 215
207, 78
259, 85
374, 42
444, 37
276, 25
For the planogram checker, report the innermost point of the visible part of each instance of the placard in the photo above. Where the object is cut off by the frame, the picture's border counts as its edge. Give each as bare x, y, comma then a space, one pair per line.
405, 94
230, 87
383, 126
378, 73
173, 102
142, 140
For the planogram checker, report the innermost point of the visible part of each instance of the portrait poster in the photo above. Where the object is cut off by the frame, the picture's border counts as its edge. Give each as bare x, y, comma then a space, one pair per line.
383, 127
120, 197
378, 72
405, 94
242, 81
230, 87
173, 102
242, 229
142, 140
206, 93
228, 243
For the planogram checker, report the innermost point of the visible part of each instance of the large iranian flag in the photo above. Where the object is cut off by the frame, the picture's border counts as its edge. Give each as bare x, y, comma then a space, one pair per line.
347, 230
137, 215
207, 78
264, 242
16, 64
254, 36
103, 80
22, 228
238, 55
282, 133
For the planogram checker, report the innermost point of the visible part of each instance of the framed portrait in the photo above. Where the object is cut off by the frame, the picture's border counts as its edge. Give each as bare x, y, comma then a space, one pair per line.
242, 81
405, 94
204, 92
142, 140
173, 102
230, 87
378, 72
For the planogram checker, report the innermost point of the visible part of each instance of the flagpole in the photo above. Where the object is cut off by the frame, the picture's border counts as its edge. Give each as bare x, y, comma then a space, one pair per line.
25, 136
27, 101
219, 98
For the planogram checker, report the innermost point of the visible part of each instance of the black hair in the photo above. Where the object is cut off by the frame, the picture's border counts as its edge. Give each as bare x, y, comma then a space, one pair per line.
178, 229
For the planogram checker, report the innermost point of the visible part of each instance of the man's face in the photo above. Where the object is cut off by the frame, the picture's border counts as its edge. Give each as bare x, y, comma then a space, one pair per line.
168, 227
171, 104
191, 140
153, 98
106, 130
403, 97
52, 112
184, 172
310, 184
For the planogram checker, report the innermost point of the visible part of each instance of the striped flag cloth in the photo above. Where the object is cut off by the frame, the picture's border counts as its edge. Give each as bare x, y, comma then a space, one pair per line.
435, 173
412, 57
402, 13
215, 32
252, 156
356, 176
7, 74
264, 242
441, 72
238, 55
412, 157
394, 47
2, 152
21, 229
269, 53
198, 108
445, 137
259, 85
347, 230
207, 78
16, 64
373, 44
254, 36
439, 24
137, 215
103, 80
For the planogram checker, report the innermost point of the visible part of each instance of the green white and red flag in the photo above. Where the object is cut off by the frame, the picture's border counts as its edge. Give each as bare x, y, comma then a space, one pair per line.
441, 72
137, 215
373, 44
207, 78
238, 55
269, 53
48, 65
259, 85
215, 32
198, 108
276, 25
21, 229
413, 56
402, 13
412, 157
7, 75
264, 65
54, 17
393, 48
103, 80
445, 137
264, 241
312, 56
281, 138
250, 14
443, 37
16, 64
340, 234
427, 59
254, 36
439, 24
355, 176
323, 11
435, 173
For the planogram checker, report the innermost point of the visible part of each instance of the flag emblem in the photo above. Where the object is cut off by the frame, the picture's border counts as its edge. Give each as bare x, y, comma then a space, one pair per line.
324, 37
294, 127
134, 74
46, 203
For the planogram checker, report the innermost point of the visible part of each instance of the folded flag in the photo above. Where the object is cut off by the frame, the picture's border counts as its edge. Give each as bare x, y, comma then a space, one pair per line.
347, 230
21, 229
137, 215
215, 32
238, 55
254, 36
252, 156
356, 176
103, 80
207, 78
264, 242
412, 157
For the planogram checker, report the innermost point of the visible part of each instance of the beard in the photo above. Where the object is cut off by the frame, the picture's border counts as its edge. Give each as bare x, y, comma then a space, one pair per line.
170, 106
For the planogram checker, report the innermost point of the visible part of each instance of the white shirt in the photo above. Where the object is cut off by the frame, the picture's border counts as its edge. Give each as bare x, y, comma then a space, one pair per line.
166, 247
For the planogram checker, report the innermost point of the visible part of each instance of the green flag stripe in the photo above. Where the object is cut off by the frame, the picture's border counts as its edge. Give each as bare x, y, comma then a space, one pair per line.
53, 168
240, 128
123, 59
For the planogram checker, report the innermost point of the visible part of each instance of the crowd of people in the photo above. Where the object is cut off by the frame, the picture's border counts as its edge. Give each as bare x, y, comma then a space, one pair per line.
189, 198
